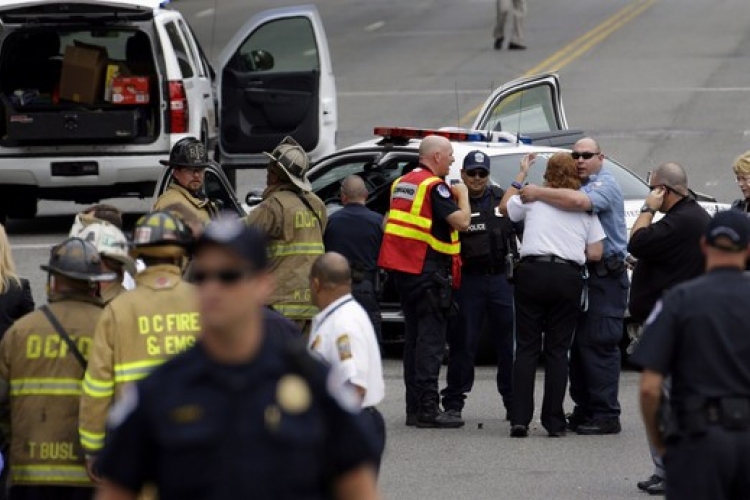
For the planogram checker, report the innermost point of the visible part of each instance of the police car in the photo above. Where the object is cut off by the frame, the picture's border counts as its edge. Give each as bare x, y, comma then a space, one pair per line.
531, 105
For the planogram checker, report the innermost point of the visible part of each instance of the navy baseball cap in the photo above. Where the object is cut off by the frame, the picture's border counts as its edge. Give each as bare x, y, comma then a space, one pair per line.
232, 233
729, 230
475, 160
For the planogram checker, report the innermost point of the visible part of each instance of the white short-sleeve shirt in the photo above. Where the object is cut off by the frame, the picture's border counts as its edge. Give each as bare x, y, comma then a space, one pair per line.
342, 334
551, 231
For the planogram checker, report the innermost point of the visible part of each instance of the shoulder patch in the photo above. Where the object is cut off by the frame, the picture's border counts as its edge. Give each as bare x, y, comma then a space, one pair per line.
124, 407
344, 346
443, 191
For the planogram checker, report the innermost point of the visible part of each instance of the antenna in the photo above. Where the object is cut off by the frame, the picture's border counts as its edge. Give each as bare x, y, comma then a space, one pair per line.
520, 114
458, 111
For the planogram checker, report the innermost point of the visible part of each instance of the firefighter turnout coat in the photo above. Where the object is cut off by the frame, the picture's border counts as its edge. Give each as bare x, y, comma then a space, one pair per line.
137, 331
204, 210
42, 383
295, 240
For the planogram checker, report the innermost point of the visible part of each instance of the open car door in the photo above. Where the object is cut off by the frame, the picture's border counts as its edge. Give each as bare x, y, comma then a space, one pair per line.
276, 79
216, 187
531, 107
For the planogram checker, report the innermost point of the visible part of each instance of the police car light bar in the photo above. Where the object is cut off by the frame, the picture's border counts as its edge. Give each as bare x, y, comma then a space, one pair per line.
421, 133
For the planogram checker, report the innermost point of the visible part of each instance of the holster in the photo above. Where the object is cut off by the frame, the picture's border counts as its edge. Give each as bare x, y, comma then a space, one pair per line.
693, 416
734, 413
440, 294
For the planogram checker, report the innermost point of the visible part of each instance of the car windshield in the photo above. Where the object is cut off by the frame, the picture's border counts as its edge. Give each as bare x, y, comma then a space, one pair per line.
504, 169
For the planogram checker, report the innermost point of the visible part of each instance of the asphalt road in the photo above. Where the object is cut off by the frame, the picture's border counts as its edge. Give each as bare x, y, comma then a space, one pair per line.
654, 80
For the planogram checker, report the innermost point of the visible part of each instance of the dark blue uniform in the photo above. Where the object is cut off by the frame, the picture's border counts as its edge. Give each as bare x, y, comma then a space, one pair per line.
699, 335
356, 232
266, 429
485, 298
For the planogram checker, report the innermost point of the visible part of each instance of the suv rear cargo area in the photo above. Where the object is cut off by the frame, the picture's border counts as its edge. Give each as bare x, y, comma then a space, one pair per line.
78, 85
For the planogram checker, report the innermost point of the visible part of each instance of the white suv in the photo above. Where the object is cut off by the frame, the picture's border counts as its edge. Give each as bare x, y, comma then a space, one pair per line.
75, 142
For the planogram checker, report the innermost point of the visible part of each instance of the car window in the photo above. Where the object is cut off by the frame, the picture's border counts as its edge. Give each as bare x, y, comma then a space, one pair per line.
183, 58
504, 169
528, 111
196, 60
216, 190
282, 46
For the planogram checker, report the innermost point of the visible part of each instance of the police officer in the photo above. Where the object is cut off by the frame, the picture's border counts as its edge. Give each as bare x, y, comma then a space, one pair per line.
595, 357
485, 296
697, 334
421, 246
113, 249
42, 361
244, 414
294, 218
343, 336
141, 328
188, 160
356, 232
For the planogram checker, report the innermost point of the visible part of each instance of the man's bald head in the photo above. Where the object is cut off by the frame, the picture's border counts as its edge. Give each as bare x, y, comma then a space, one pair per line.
433, 144
673, 175
436, 153
331, 270
353, 190
587, 144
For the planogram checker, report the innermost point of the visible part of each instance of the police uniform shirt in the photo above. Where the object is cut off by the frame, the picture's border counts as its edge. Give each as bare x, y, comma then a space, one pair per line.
551, 231
262, 430
343, 336
698, 334
443, 205
356, 232
607, 202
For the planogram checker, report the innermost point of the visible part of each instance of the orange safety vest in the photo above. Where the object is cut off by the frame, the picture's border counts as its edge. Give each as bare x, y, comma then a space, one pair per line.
408, 230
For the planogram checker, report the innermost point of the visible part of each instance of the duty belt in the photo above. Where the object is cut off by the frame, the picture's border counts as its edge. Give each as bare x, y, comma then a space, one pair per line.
551, 259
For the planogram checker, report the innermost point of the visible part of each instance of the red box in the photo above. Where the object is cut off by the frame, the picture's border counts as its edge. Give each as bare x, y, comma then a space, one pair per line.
130, 90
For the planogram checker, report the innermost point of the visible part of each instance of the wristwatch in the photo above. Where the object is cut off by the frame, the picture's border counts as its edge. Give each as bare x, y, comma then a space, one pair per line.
517, 185
646, 209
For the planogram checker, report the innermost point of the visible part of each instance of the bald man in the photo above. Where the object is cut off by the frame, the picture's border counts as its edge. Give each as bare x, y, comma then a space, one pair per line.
421, 249
343, 336
668, 253
595, 357
356, 232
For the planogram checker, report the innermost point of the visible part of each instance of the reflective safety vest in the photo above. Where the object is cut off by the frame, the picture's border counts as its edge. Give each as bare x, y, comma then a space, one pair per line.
44, 390
408, 229
137, 332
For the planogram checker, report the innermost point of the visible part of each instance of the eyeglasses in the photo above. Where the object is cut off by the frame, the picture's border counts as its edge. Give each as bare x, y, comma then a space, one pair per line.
482, 174
225, 277
586, 155
666, 188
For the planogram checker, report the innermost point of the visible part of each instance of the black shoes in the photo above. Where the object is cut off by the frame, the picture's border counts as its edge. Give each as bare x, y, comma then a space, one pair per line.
556, 434
516, 46
519, 431
439, 420
654, 485
599, 427
499, 43
576, 419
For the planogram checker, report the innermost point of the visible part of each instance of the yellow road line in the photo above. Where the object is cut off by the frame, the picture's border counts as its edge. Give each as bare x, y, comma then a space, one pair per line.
580, 45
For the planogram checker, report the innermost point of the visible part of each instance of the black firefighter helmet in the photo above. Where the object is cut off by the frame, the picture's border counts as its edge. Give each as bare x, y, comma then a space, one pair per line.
77, 259
188, 153
161, 234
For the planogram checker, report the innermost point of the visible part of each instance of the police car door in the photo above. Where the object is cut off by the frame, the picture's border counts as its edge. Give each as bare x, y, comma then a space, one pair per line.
531, 107
276, 79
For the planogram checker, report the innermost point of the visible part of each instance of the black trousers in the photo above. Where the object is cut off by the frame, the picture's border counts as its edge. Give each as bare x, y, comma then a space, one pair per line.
364, 293
375, 419
424, 347
547, 299
51, 493
714, 466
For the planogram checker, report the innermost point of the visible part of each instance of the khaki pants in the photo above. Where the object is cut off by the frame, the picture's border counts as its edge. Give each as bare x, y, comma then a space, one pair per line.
518, 10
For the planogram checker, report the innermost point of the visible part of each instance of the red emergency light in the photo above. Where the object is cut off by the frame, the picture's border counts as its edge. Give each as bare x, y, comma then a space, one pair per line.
421, 133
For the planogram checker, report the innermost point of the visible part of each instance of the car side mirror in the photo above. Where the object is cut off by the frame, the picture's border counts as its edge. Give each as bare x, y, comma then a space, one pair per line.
262, 60
253, 197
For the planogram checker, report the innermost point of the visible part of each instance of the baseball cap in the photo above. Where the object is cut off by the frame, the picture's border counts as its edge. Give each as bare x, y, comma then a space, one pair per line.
729, 230
232, 233
476, 159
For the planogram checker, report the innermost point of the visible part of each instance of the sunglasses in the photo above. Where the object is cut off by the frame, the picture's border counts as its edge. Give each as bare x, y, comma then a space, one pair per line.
477, 173
224, 276
586, 155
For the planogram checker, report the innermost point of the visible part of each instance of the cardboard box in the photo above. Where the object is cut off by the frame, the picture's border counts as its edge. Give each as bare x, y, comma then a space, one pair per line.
82, 78
130, 90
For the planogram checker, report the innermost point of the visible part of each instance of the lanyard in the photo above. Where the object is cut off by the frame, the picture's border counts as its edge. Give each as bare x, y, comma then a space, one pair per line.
329, 313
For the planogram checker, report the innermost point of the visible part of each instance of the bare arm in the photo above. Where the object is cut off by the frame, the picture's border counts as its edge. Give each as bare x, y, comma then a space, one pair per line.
526, 163
651, 393
111, 491
461, 218
358, 484
654, 201
594, 251
564, 199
